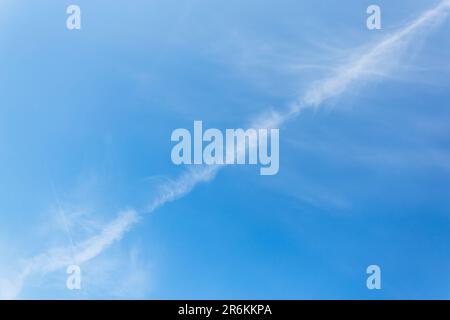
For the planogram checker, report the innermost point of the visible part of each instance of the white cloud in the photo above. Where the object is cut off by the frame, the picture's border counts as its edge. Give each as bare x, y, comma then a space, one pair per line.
60, 258
369, 63
377, 60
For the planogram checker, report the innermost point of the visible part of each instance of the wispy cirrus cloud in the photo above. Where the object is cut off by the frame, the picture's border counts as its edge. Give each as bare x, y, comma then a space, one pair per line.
59, 258
380, 59
363, 66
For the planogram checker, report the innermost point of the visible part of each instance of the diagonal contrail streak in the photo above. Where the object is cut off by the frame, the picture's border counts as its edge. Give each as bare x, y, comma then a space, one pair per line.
366, 65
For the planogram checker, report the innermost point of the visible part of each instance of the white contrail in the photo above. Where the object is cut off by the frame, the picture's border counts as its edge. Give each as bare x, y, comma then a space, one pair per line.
367, 64
56, 259
376, 60
60, 258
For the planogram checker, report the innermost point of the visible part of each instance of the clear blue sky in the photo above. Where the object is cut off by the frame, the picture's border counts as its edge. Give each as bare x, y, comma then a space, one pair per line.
85, 124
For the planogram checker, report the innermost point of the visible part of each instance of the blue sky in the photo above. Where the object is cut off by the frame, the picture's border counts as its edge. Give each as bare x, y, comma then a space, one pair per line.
85, 124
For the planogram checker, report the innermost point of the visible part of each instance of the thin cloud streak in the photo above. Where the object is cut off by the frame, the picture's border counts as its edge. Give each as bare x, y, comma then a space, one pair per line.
60, 258
56, 259
376, 61
370, 63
